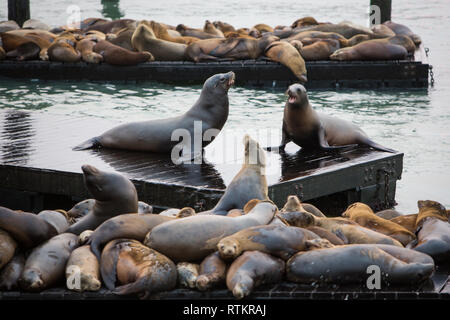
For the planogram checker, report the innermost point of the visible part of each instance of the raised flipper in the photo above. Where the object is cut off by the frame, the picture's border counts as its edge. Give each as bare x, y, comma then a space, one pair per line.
88, 144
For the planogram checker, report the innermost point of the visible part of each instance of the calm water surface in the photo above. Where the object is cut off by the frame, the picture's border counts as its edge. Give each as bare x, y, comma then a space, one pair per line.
416, 122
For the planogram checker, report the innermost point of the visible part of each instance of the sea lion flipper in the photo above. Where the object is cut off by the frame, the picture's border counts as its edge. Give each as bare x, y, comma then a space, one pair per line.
88, 144
108, 265
377, 146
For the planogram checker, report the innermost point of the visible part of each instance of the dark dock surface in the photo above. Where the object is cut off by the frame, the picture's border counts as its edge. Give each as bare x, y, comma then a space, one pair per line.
38, 170
412, 73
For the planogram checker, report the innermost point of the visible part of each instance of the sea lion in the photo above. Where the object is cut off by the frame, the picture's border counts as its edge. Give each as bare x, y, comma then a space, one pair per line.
371, 50
327, 235
62, 49
114, 194
286, 54
109, 26
228, 48
211, 109
8, 26
57, 218
86, 47
7, 248
406, 221
26, 228
11, 272
320, 50
223, 26
307, 37
116, 55
193, 238
122, 38
198, 33
26, 45
400, 29
346, 29
303, 22
84, 237
350, 232
84, 267
263, 28
138, 269
94, 35
252, 269
277, 240
212, 272
187, 274
45, 265
144, 39
433, 231
348, 264
161, 32
211, 29
363, 215
127, 226
312, 130
35, 24
249, 183
388, 214
2, 53
293, 204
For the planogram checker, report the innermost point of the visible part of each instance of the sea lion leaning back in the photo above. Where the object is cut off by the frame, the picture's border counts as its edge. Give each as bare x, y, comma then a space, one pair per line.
210, 112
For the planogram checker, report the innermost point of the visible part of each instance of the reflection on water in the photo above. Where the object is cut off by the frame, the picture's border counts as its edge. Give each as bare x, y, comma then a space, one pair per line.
111, 9
16, 137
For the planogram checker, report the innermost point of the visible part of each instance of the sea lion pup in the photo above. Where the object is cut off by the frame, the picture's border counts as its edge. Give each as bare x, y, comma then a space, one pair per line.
138, 269
114, 194
388, 214
348, 264
35, 24
252, 269
304, 22
187, 274
286, 54
7, 248
433, 231
27, 229
371, 50
400, 29
128, 226
198, 33
45, 265
350, 232
110, 26
162, 33
211, 109
312, 130
407, 221
277, 240
248, 184
319, 50
223, 26
293, 204
57, 218
62, 49
211, 29
363, 215
11, 272
193, 238
231, 48
263, 28
116, 55
83, 271
86, 47
212, 273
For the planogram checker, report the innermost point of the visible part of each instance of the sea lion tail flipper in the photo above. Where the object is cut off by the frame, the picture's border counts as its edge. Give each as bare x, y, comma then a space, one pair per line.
377, 146
134, 287
95, 247
108, 265
88, 144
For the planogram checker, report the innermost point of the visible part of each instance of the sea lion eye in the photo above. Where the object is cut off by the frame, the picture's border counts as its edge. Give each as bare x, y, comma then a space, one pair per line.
222, 79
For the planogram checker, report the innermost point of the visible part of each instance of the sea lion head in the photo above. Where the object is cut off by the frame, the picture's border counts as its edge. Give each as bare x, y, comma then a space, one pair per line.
356, 207
185, 212
298, 96
144, 208
229, 248
318, 244
292, 204
219, 83
421, 204
31, 280
300, 219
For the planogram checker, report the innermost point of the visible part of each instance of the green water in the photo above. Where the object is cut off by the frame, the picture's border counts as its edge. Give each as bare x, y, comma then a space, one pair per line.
416, 122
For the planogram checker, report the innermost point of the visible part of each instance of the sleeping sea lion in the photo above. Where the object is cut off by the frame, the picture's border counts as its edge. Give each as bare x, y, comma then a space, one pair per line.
11, 272
83, 264
286, 54
116, 55
212, 272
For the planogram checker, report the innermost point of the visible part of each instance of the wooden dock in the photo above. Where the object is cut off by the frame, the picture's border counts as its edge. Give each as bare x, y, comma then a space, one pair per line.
38, 170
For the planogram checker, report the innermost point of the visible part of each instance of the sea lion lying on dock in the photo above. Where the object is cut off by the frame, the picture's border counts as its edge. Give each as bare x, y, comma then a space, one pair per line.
116, 55
212, 272
286, 54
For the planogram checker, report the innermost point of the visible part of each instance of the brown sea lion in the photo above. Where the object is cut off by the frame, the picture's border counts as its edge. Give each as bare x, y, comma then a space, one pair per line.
433, 231
63, 50
187, 274
371, 50
11, 272
230, 48
286, 54
388, 214
25, 46
363, 215
114, 195
137, 268
193, 238
7, 248
86, 47
127, 226
192, 32
211, 29
307, 36
223, 26
116, 55
211, 109
83, 271
349, 264
407, 221
382, 30
304, 22
325, 234
312, 130
235, 34
27, 229
261, 27
45, 265
162, 33
252, 269
94, 35
249, 183
57, 218
293, 204
350, 232
320, 50
212, 272
400, 29
122, 38
277, 240
110, 26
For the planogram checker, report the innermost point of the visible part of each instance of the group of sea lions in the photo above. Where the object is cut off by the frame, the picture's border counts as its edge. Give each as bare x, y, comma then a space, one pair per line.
129, 42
